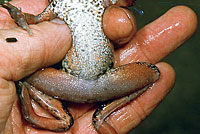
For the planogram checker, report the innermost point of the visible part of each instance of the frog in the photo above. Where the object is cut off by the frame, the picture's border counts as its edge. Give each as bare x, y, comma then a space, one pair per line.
88, 73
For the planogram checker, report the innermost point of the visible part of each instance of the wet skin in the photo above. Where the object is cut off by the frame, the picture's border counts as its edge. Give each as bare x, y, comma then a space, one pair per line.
88, 74
156, 91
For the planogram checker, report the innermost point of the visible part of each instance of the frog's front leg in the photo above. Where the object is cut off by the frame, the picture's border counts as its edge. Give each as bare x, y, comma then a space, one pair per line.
23, 19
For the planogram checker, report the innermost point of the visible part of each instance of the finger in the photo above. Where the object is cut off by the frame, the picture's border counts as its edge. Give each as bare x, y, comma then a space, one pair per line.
156, 40
135, 111
119, 24
28, 6
45, 47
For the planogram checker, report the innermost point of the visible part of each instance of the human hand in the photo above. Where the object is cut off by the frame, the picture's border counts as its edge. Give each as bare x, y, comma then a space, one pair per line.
47, 46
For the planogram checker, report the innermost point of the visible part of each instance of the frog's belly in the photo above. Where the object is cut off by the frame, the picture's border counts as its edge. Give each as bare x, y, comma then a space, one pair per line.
91, 53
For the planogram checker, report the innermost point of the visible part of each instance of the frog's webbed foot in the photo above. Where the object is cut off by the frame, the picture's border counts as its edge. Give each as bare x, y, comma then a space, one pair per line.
63, 119
23, 19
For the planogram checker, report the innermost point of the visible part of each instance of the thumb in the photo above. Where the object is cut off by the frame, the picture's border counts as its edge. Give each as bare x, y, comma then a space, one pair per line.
48, 45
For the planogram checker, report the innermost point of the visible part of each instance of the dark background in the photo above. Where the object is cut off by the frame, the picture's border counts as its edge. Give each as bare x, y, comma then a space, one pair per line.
179, 113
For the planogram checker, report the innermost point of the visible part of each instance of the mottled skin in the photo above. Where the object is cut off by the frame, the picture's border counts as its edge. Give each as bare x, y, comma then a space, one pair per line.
89, 63
91, 54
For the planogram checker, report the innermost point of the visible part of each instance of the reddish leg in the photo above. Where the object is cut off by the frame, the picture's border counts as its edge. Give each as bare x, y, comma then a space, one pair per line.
64, 119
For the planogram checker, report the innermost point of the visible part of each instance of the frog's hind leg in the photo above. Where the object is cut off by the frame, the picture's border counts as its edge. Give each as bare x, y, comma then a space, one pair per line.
63, 119
104, 111
143, 75
23, 19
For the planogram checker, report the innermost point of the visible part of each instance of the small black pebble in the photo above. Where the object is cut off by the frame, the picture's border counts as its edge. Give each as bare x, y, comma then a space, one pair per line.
11, 39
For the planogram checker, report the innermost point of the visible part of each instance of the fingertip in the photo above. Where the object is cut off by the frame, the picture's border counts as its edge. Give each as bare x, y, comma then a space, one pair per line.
185, 20
190, 17
165, 83
168, 32
167, 73
119, 24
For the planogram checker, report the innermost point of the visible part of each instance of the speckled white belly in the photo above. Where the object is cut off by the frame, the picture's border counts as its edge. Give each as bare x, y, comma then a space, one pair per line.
91, 53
